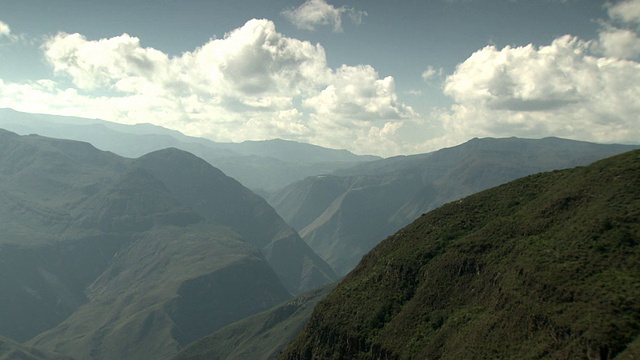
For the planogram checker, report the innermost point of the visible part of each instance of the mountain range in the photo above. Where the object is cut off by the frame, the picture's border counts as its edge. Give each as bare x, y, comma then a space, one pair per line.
158, 254
345, 214
546, 266
105, 257
263, 166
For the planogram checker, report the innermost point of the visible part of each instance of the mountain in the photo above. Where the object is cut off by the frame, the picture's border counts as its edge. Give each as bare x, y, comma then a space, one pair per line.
547, 266
10, 350
262, 336
260, 165
104, 257
344, 215
222, 199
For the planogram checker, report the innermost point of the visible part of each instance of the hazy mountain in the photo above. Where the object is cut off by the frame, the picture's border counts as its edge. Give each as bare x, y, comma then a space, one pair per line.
262, 336
121, 258
542, 267
11, 350
260, 165
344, 215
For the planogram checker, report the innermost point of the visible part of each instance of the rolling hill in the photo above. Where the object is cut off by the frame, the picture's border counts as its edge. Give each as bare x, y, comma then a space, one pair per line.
344, 215
547, 266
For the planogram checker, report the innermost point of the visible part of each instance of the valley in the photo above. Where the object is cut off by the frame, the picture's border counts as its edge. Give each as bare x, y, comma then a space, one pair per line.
159, 254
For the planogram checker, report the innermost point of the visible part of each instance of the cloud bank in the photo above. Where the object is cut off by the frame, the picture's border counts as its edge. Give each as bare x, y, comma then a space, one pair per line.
571, 88
254, 83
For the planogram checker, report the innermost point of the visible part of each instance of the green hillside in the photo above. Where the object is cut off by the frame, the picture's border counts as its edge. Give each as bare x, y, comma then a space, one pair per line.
547, 266
344, 215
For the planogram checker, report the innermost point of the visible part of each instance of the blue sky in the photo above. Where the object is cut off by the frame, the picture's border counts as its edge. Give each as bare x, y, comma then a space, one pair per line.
371, 76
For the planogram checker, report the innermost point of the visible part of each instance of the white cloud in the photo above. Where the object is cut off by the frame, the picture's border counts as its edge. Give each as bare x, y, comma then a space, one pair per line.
5, 32
627, 11
555, 90
357, 93
118, 62
431, 72
621, 43
254, 83
319, 13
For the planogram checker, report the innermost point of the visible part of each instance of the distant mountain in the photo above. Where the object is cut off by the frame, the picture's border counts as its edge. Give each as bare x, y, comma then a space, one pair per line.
260, 165
547, 266
344, 215
104, 257
262, 336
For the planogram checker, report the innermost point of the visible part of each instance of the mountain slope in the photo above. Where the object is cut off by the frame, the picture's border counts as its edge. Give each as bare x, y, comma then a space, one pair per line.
262, 336
547, 266
344, 215
103, 257
10, 350
223, 200
260, 165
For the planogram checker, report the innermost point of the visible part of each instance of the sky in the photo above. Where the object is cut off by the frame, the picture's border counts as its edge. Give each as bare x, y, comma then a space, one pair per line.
370, 76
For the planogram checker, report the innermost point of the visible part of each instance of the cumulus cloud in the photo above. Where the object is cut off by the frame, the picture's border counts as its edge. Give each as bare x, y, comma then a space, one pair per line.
574, 88
254, 83
621, 43
319, 13
118, 62
555, 90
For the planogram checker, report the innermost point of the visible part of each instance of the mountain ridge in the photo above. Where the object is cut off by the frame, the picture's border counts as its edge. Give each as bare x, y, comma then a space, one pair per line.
260, 165
342, 216
543, 266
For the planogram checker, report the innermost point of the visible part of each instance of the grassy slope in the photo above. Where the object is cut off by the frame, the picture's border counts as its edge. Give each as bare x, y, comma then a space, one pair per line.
545, 266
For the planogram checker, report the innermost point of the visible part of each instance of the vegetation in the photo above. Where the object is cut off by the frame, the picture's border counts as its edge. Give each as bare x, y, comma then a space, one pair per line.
547, 266
345, 215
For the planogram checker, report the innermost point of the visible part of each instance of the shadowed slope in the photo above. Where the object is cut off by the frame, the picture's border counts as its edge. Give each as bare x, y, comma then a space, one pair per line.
219, 198
262, 336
